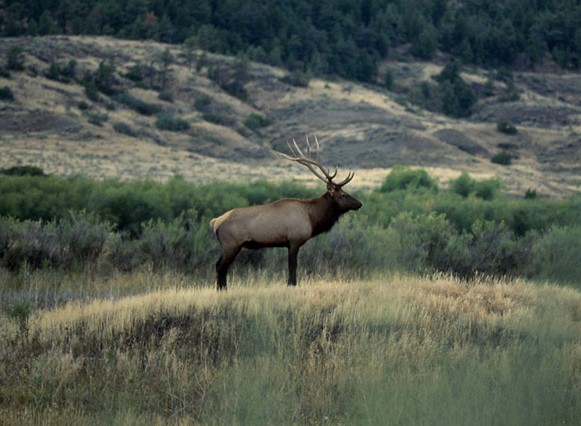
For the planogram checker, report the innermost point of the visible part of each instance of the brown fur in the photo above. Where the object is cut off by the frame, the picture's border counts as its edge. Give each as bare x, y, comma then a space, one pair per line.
284, 223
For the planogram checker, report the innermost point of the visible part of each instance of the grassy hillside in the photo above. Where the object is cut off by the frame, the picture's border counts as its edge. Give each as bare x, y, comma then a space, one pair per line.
230, 114
394, 350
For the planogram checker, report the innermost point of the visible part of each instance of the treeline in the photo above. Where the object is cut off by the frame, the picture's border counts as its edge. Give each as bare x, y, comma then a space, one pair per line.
346, 38
408, 224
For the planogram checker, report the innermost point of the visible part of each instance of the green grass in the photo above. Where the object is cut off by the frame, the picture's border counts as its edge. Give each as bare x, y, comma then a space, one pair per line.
163, 349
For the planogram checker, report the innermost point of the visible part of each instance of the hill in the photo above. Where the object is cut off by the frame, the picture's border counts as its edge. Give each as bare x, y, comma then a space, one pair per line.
395, 350
129, 110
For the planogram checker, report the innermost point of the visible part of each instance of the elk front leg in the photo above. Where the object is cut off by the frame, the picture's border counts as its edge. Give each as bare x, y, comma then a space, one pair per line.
293, 254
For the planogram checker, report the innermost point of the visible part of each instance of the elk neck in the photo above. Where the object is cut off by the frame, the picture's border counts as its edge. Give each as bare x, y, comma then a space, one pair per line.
324, 213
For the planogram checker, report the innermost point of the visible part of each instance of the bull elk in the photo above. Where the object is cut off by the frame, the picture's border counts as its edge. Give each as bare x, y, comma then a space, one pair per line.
286, 223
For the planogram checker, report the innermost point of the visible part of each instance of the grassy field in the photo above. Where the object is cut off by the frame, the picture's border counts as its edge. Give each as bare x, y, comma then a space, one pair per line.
160, 349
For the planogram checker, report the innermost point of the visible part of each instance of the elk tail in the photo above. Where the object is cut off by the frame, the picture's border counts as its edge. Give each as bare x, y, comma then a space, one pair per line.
214, 225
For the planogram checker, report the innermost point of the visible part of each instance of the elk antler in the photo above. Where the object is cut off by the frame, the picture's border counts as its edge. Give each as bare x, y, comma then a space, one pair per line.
315, 165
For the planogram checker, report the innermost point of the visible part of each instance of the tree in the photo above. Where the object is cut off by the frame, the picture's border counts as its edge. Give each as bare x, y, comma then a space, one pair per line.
164, 59
426, 44
15, 58
189, 47
47, 25
456, 95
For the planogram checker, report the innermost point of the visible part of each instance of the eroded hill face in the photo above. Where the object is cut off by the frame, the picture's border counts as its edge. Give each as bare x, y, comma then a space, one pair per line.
211, 117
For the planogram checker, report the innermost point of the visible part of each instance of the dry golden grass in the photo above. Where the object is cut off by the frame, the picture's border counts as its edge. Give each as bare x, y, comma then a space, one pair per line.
516, 304
395, 349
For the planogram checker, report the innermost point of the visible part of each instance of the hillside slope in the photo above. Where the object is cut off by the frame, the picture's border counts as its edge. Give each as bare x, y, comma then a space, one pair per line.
238, 113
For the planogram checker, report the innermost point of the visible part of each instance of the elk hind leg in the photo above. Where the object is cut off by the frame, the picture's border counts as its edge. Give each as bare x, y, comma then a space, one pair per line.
222, 266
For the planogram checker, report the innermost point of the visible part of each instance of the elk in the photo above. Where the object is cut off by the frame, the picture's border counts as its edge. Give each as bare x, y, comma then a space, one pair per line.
288, 222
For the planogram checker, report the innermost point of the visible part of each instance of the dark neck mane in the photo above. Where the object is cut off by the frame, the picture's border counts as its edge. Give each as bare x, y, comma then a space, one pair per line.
324, 213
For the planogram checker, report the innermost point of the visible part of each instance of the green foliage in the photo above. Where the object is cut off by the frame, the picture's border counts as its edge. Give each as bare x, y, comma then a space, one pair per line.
15, 58
171, 123
136, 73
232, 79
6, 94
166, 95
426, 44
468, 230
531, 194
389, 80
124, 129
91, 90
20, 312
23, 171
420, 241
136, 104
348, 39
465, 185
503, 158
457, 98
75, 240
506, 127
256, 121
297, 79
102, 80
96, 118
180, 244
555, 256
63, 74
403, 178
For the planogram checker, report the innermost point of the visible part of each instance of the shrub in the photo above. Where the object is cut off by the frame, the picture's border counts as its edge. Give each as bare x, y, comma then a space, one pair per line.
6, 94
136, 104
74, 241
96, 118
403, 178
487, 189
256, 121
23, 171
202, 102
166, 95
388, 80
555, 256
171, 123
297, 79
135, 73
63, 74
91, 91
489, 248
15, 58
20, 312
124, 129
83, 106
181, 244
219, 118
507, 128
531, 194
420, 241
503, 158
465, 185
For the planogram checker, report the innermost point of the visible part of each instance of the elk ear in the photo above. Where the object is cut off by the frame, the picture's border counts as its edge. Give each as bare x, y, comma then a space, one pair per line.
330, 188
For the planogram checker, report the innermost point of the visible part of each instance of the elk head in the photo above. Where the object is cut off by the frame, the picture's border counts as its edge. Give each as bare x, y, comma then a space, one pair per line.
344, 201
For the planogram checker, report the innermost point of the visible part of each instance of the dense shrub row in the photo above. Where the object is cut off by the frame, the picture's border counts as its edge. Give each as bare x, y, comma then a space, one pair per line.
407, 225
